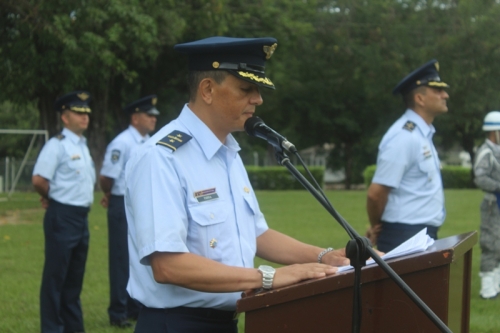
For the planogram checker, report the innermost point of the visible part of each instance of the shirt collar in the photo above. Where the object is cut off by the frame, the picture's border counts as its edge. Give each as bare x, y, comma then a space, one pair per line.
426, 129
72, 136
207, 140
136, 135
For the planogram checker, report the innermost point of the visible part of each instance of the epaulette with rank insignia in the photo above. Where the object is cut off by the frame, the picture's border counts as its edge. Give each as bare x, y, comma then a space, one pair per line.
174, 140
410, 126
60, 136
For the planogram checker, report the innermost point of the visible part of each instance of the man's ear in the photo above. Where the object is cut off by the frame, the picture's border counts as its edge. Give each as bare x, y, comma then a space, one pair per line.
206, 89
419, 99
64, 117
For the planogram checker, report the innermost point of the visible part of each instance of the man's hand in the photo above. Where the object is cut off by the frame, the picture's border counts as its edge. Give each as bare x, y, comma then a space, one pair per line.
292, 274
105, 200
45, 202
373, 232
335, 258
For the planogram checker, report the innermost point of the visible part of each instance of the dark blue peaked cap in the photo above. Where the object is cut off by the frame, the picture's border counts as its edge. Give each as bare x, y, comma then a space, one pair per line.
146, 104
76, 101
426, 75
245, 58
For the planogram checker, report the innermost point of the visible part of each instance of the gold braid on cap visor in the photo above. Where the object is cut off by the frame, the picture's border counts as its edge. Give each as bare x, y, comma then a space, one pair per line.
254, 77
80, 109
437, 84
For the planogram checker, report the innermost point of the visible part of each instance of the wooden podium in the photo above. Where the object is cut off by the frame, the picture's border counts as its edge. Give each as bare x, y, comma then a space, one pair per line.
440, 276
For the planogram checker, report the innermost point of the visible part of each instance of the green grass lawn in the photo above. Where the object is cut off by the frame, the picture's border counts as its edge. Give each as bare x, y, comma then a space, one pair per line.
295, 213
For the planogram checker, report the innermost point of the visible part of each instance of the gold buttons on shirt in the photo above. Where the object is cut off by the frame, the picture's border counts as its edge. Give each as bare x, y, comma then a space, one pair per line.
246, 189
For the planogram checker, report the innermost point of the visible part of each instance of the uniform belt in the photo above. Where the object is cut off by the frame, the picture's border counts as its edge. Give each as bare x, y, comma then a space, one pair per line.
206, 313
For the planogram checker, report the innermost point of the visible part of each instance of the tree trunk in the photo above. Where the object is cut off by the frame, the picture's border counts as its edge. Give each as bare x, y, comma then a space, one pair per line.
348, 165
97, 128
49, 119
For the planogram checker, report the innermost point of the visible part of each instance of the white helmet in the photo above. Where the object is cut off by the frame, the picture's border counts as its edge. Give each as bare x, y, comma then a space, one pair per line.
492, 121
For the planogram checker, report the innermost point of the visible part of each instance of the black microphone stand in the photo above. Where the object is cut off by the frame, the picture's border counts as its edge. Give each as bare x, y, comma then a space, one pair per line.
358, 250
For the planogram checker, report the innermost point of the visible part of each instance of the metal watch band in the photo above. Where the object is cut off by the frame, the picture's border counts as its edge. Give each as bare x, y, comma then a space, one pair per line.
267, 276
267, 280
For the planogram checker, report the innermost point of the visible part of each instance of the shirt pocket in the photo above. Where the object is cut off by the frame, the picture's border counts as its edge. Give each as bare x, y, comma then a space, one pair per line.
208, 234
250, 205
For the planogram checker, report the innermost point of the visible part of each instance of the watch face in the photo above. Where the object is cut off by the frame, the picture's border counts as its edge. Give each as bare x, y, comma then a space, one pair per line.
267, 269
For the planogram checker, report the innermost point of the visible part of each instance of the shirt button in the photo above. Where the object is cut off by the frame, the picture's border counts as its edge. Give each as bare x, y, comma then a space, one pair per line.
212, 216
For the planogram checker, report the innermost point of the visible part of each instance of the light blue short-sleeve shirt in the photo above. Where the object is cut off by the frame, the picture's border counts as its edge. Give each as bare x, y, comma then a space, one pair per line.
117, 154
195, 199
408, 162
66, 163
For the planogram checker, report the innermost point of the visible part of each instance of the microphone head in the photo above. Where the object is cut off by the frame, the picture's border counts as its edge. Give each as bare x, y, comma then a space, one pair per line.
251, 124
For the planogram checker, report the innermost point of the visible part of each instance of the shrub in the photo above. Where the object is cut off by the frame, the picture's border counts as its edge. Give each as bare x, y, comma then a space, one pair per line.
279, 178
453, 176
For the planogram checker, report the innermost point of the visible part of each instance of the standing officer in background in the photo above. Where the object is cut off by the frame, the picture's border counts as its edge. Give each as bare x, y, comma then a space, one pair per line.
487, 178
64, 175
406, 194
194, 222
142, 115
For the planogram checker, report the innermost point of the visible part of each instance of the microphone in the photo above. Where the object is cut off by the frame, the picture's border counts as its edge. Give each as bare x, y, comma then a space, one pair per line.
254, 126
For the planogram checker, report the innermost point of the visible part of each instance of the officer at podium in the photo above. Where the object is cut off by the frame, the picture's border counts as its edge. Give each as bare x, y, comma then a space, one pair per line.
194, 221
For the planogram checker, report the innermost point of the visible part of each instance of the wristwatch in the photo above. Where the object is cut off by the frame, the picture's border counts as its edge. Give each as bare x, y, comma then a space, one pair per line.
267, 276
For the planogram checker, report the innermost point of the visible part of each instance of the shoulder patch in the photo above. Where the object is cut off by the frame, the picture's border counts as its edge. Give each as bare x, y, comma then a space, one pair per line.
115, 156
409, 126
60, 136
174, 140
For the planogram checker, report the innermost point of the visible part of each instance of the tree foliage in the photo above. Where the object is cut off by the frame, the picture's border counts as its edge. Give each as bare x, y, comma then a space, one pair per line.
335, 66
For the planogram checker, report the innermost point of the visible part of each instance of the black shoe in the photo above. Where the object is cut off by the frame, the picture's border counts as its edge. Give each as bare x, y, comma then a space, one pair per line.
121, 323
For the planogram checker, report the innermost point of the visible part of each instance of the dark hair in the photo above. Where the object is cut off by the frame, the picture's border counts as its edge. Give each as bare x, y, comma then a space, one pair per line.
195, 77
409, 97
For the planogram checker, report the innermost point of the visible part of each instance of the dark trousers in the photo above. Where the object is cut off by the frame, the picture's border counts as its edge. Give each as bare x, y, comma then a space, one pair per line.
121, 306
66, 246
186, 320
394, 234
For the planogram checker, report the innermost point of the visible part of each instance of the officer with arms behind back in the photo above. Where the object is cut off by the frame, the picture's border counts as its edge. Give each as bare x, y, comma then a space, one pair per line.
487, 178
64, 175
142, 115
194, 221
406, 194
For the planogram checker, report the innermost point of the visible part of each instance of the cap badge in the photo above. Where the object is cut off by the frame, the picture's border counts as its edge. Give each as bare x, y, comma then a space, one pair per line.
436, 64
269, 50
83, 96
215, 64
213, 243
154, 100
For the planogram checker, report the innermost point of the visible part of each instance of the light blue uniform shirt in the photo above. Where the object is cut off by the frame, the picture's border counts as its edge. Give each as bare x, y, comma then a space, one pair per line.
408, 162
66, 163
117, 154
196, 199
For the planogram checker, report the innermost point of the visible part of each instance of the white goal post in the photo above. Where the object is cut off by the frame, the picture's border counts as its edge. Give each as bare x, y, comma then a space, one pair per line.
28, 151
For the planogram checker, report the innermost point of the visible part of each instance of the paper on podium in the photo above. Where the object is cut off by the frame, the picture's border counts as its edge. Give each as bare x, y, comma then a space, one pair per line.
418, 243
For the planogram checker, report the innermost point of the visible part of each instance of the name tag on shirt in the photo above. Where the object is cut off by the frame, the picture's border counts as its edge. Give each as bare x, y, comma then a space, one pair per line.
206, 195
75, 157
